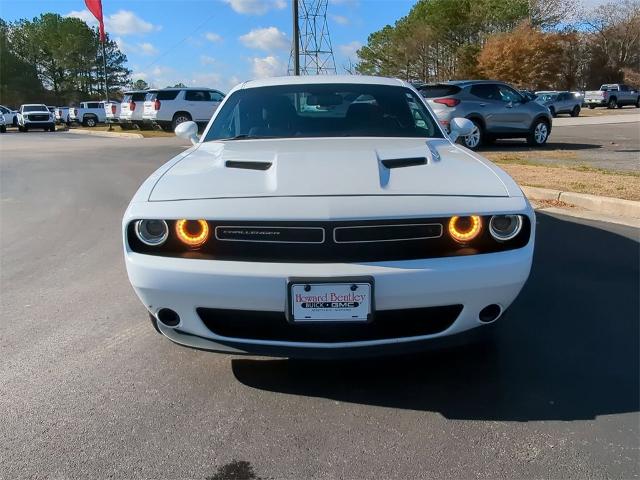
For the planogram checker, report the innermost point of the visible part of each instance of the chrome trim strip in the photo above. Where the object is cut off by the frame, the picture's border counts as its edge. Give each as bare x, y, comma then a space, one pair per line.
391, 225
266, 227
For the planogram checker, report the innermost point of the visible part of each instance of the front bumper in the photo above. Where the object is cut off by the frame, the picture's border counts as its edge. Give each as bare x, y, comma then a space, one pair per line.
184, 285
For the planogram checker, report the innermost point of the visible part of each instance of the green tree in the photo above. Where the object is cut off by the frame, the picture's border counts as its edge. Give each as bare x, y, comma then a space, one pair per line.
19, 80
140, 85
66, 54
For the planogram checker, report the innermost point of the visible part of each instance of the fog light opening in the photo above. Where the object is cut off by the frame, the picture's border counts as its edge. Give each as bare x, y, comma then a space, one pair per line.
490, 313
168, 317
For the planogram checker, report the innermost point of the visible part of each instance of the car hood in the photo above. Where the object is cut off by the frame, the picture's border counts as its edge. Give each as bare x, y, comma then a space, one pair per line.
327, 167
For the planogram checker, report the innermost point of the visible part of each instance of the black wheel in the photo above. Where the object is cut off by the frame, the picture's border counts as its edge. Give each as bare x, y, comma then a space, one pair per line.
90, 122
612, 103
52, 128
553, 112
179, 118
15, 121
591, 107
475, 138
539, 133
576, 111
638, 103
3, 128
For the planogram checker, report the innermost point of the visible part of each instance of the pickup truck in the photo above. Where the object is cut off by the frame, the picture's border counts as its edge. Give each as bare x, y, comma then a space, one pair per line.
112, 111
612, 95
88, 113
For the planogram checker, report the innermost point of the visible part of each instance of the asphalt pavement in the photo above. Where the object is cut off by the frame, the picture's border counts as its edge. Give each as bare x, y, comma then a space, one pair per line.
613, 146
89, 390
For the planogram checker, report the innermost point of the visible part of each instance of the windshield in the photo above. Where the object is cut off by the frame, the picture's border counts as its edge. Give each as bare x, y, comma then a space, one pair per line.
34, 108
323, 110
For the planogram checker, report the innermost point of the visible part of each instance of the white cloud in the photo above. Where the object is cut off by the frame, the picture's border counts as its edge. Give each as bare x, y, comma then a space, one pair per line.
269, 66
339, 19
125, 22
212, 37
147, 48
122, 45
267, 39
84, 15
204, 79
256, 7
207, 60
350, 49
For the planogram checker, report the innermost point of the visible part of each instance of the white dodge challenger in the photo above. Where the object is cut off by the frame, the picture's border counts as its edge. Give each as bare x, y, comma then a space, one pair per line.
323, 217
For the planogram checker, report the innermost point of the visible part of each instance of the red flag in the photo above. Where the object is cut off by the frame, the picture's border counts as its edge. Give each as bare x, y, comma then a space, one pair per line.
95, 7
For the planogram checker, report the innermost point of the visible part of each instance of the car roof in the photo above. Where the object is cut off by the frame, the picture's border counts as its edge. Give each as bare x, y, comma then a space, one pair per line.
151, 90
473, 82
324, 79
33, 105
183, 88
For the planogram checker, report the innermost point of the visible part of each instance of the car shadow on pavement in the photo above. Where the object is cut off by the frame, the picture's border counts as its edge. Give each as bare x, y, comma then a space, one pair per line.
568, 348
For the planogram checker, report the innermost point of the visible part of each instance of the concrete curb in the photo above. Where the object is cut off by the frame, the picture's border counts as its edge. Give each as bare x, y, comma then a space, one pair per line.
100, 133
595, 203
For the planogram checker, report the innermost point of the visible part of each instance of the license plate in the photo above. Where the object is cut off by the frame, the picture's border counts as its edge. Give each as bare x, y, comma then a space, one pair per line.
330, 302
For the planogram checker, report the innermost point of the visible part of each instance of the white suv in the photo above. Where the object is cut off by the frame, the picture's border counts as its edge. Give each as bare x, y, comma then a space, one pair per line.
170, 107
132, 106
112, 111
88, 113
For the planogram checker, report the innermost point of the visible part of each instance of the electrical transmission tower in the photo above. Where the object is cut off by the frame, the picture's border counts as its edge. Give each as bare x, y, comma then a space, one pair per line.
312, 53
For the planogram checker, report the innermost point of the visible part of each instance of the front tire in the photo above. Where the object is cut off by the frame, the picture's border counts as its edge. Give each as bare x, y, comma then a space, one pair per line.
612, 104
539, 133
475, 138
179, 118
90, 122
576, 111
591, 107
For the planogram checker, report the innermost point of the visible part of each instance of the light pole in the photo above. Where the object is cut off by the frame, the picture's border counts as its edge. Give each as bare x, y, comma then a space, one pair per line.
296, 39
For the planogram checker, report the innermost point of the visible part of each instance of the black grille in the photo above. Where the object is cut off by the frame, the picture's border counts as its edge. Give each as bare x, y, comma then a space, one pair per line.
386, 233
38, 118
327, 242
386, 324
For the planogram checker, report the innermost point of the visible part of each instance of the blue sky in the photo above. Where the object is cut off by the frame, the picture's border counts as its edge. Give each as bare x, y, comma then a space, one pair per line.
217, 43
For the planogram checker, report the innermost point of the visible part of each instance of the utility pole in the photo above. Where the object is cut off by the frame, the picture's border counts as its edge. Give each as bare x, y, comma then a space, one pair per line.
296, 39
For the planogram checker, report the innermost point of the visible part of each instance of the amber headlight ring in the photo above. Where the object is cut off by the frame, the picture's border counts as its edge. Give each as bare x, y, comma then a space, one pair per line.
192, 233
465, 229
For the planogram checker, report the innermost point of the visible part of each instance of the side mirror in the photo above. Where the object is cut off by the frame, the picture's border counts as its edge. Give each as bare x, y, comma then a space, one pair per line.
188, 131
460, 127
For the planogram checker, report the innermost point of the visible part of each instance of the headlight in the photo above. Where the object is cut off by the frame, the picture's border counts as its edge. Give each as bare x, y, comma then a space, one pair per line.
505, 227
193, 233
465, 229
152, 232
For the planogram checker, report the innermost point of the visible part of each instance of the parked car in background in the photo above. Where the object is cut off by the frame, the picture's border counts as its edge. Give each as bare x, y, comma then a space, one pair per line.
345, 204
62, 115
88, 113
3, 124
529, 95
112, 111
132, 108
496, 109
36, 115
169, 107
560, 102
10, 116
612, 95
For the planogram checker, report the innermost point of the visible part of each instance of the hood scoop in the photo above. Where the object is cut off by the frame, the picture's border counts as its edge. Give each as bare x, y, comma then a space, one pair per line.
404, 162
248, 165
